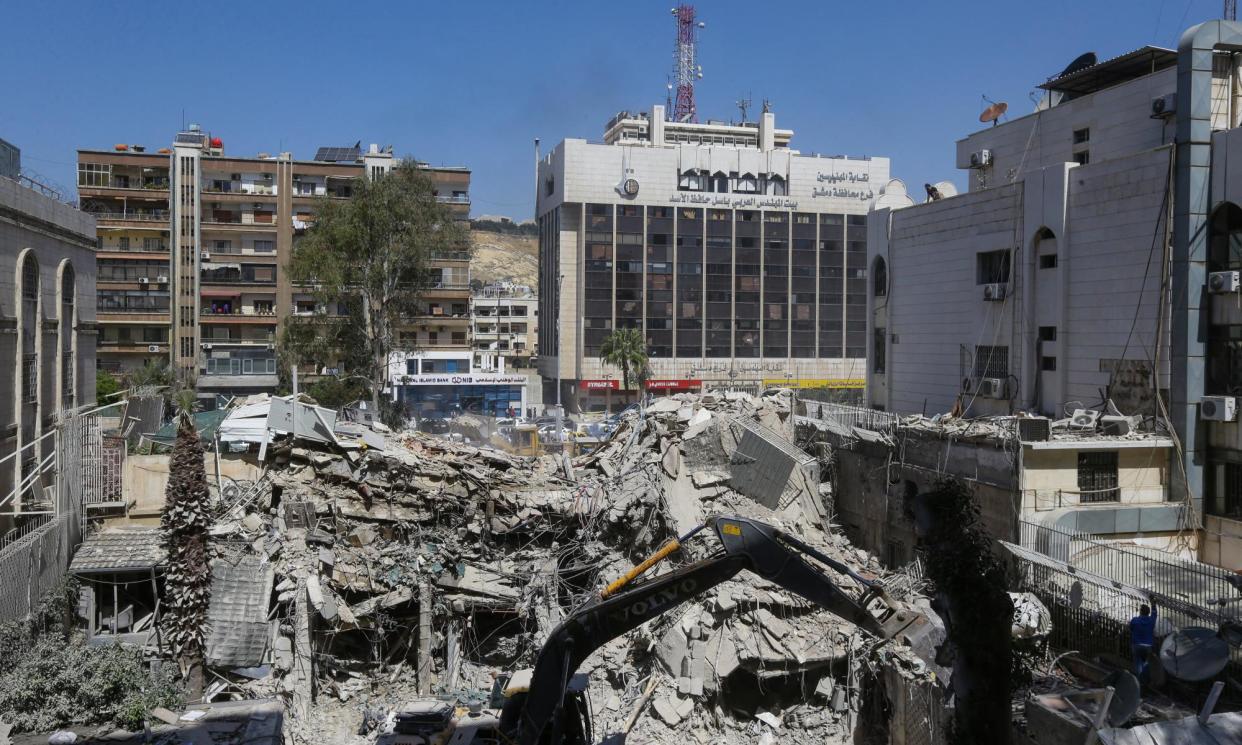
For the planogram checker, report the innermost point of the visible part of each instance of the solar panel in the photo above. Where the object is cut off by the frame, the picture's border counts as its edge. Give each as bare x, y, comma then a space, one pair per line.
337, 154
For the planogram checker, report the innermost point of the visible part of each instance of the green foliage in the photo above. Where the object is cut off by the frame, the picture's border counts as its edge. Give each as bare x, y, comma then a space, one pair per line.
530, 229
372, 257
106, 387
626, 349
50, 678
55, 684
333, 393
153, 374
184, 522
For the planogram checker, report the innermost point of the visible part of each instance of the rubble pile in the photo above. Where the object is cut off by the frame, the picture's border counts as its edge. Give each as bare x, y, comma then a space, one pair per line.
427, 567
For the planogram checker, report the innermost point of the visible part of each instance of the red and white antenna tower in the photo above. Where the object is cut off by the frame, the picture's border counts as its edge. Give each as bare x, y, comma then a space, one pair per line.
685, 65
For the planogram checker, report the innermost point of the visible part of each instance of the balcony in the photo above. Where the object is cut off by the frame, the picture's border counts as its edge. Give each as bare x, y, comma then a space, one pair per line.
242, 221
124, 184
454, 199
147, 216
243, 188
450, 256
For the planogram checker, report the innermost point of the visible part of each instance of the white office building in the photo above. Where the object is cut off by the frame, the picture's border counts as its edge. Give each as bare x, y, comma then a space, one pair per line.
1093, 257
741, 260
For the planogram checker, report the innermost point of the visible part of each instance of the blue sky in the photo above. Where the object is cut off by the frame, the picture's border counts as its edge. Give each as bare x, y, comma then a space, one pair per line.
473, 83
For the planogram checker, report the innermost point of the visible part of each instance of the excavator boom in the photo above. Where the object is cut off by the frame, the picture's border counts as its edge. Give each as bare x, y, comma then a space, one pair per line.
540, 715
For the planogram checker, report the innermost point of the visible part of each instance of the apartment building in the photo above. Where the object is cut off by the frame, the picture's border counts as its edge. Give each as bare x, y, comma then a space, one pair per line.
741, 260
1092, 257
193, 244
504, 321
47, 328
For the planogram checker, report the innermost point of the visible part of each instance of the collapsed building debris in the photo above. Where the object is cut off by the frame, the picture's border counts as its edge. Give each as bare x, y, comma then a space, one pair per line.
401, 565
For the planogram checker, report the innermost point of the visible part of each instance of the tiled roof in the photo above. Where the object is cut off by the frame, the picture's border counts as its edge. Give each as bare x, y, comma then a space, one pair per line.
120, 550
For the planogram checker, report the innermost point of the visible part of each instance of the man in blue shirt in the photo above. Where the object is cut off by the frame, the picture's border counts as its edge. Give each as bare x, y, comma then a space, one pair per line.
1142, 639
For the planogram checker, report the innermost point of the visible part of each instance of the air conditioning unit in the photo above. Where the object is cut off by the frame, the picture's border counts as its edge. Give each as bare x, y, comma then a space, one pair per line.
995, 292
271, 347
991, 388
1164, 106
207, 345
162, 279
1084, 419
1218, 408
1034, 429
144, 280
205, 255
1222, 282
153, 347
981, 159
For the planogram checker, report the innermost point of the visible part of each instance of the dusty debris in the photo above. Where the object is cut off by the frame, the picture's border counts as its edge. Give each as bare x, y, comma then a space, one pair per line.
413, 565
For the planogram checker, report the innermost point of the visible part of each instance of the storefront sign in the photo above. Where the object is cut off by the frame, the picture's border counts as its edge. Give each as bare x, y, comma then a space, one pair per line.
814, 382
734, 200
462, 379
674, 385
599, 385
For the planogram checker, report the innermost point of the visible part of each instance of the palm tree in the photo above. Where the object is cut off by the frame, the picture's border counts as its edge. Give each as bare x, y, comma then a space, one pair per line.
626, 349
184, 523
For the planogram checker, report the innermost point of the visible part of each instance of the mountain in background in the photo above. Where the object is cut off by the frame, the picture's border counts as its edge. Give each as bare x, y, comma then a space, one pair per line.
504, 251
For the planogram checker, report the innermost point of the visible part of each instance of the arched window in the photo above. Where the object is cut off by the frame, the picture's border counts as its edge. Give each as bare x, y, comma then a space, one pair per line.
30, 278
68, 319
879, 277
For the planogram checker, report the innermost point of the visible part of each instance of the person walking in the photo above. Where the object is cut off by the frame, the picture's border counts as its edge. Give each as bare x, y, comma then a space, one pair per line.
1142, 639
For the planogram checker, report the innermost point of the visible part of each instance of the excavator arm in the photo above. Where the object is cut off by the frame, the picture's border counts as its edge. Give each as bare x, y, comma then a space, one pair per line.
538, 715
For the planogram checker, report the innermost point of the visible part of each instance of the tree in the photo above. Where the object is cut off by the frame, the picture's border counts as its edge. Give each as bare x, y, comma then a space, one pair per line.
626, 349
184, 523
106, 387
369, 257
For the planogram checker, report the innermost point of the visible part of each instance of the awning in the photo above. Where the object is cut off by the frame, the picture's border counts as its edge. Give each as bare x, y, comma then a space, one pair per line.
219, 293
217, 265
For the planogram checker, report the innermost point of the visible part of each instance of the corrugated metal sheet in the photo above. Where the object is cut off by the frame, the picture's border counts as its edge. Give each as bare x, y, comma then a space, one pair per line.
241, 591
120, 549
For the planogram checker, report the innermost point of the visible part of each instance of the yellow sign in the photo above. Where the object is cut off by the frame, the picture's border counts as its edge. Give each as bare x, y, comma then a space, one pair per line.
815, 382
731, 529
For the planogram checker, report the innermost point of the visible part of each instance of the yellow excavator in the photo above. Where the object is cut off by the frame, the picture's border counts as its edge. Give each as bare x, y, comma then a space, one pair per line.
520, 439
547, 705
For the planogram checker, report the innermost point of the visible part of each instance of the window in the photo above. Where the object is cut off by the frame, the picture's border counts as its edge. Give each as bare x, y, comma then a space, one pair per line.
1226, 492
264, 246
991, 362
1048, 261
1082, 158
1097, 476
878, 356
1048, 364
30, 379
94, 174
1047, 333
30, 278
992, 266
1082, 135
152, 244
692, 181
122, 244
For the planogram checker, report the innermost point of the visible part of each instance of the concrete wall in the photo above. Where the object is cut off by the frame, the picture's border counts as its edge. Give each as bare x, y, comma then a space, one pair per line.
1101, 297
145, 480
1222, 542
1142, 476
57, 236
1119, 119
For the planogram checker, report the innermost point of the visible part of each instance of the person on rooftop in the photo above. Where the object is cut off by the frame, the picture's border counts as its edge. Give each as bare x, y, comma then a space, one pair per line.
1142, 639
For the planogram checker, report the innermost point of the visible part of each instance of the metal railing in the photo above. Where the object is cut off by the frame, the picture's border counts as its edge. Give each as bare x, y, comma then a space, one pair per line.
453, 199
151, 216
238, 312
35, 557
1093, 588
450, 255
853, 416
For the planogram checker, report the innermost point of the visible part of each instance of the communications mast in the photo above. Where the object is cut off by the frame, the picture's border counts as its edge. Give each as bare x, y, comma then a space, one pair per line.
685, 65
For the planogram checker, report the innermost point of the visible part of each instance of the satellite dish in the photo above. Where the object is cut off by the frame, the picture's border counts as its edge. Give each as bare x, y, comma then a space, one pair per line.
1081, 62
994, 112
1195, 653
946, 188
1126, 697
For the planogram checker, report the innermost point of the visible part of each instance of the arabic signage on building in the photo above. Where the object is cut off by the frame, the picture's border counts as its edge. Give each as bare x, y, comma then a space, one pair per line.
673, 385
815, 382
462, 379
599, 385
733, 200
